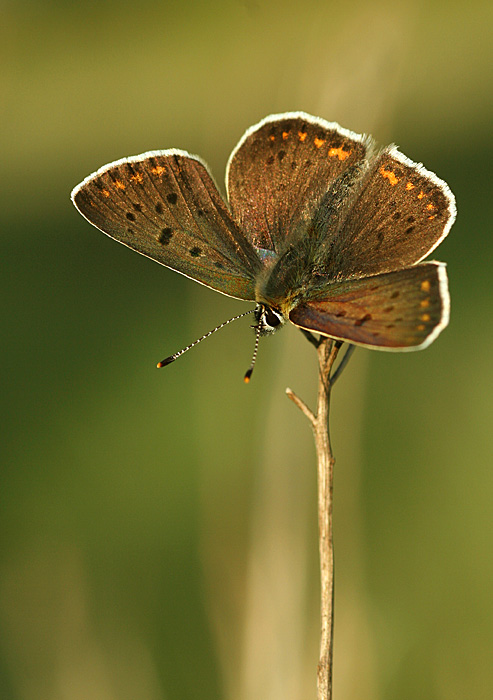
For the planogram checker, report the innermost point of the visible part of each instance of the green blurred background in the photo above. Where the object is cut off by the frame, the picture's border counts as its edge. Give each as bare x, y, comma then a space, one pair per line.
158, 528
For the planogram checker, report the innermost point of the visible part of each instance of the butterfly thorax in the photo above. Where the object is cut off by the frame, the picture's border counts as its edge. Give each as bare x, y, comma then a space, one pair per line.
282, 284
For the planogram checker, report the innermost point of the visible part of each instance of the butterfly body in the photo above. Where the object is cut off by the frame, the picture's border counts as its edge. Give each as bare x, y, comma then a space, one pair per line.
320, 229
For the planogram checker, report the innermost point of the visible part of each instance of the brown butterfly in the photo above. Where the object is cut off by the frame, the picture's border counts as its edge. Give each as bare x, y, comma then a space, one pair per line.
321, 229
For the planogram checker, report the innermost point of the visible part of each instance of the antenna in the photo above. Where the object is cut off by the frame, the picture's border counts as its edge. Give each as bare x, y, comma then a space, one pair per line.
249, 371
172, 358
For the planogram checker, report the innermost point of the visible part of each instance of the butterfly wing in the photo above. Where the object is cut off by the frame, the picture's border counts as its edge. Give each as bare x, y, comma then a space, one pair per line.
165, 205
402, 310
401, 214
281, 169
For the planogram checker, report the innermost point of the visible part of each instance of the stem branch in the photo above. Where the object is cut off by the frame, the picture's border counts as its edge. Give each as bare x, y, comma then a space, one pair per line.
301, 405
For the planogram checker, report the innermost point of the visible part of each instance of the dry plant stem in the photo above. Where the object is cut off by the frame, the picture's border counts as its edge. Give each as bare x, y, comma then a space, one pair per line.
327, 352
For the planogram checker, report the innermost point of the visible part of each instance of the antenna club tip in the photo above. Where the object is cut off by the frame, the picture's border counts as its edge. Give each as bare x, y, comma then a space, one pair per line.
165, 362
247, 376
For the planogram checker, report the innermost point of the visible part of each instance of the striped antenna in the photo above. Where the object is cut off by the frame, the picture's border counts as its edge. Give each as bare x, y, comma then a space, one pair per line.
172, 358
249, 371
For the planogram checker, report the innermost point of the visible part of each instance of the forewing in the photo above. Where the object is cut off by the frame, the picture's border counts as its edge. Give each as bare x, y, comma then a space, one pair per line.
401, 214
403, 310
165, 205
280, 170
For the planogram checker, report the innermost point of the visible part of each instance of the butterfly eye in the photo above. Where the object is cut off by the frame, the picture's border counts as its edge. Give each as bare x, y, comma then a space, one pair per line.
272, 318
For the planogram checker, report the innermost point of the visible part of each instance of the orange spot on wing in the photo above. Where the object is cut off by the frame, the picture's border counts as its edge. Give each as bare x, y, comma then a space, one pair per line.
421, 327
421, 195
425, 303
431, 217
119, 185
302, 135
426, 317
339, 152
389, 175
137, 177
105, 193
425, 286
285, 135
409, 186
158, 170
430, 206
318, 142
272, 137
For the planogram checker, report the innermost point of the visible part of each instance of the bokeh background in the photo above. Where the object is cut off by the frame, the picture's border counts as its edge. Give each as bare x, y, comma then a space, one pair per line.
158, 528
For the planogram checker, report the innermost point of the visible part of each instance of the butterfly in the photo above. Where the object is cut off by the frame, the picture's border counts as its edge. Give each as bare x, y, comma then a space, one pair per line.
320, 228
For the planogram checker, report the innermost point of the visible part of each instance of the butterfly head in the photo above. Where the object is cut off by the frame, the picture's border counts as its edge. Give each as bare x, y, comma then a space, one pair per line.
268, 319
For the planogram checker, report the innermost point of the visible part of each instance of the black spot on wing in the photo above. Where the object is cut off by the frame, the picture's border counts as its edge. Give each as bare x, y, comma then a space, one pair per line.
166, 235
364, 319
